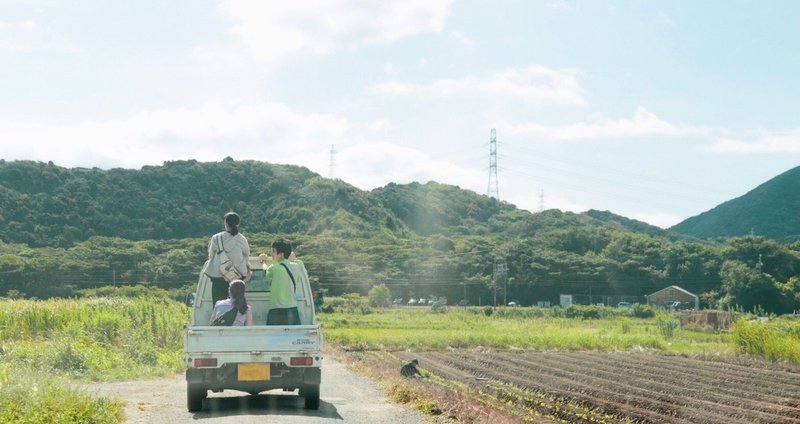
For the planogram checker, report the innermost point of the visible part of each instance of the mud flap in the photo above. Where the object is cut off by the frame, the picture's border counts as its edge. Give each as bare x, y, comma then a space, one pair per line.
312, 376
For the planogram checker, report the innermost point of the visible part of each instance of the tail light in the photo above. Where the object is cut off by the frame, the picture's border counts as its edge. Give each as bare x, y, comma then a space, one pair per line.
205, 362
302, 361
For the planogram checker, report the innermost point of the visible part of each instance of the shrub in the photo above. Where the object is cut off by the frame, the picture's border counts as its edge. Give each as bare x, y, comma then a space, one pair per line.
380, 296
439, 305
643, 311
585, 312
351, 303
522, 313
667, 327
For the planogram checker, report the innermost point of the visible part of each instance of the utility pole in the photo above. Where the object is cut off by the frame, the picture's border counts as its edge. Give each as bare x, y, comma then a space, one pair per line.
541, 201
501, 270
494, 284
332, 164
493, 190
498, 275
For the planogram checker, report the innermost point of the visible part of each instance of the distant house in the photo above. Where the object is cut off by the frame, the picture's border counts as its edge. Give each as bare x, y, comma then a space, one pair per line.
671, 294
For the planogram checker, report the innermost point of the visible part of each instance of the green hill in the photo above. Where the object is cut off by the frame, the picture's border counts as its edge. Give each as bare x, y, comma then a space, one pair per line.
46, 205
770, 210
627, 224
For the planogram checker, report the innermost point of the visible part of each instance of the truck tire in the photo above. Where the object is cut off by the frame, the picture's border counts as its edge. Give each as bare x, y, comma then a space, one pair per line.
194, 397
311, 394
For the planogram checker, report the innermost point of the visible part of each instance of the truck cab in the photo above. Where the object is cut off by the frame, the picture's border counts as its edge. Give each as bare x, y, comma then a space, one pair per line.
254, 358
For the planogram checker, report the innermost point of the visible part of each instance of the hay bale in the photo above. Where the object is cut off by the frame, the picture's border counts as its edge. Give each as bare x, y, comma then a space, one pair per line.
708, 320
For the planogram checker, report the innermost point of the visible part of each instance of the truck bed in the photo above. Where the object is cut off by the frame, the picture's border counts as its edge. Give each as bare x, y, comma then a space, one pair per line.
256, 338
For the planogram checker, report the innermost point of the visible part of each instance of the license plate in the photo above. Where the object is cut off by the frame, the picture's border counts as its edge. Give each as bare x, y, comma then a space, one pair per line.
253, 372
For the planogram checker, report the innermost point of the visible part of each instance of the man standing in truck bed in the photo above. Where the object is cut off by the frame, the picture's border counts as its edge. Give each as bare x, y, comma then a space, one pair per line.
282, 299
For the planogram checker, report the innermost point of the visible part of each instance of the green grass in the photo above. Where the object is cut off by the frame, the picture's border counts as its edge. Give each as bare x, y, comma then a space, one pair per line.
46, 344
777, 339
29, 396
464, 328
51, 342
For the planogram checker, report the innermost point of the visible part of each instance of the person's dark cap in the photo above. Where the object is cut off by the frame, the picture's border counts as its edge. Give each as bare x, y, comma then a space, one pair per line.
415, 362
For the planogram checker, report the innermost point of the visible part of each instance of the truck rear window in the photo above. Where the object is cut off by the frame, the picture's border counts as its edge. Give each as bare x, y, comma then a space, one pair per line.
257, 282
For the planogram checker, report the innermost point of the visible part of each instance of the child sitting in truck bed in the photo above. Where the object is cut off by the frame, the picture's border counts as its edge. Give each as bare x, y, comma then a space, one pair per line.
236, 299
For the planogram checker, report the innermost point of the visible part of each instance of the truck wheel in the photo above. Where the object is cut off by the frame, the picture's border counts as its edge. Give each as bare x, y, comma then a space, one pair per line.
194, 397
311, 395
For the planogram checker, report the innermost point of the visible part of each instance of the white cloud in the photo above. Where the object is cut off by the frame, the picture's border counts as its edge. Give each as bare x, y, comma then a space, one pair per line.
380, 125
28, 36
267, 131
375, 164
661, 220
563, 6
18, 37
765, 142
272, 30
643, 123
217, 57
463, 38
534, 84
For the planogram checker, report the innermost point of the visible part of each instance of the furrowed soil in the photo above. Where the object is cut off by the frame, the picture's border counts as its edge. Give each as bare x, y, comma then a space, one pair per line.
593, 387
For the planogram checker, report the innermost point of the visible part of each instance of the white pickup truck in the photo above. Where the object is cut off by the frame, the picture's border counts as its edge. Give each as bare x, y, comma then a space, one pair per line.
253, 358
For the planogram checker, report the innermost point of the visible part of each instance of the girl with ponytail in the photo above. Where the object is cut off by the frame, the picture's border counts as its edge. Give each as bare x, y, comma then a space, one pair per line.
236, 299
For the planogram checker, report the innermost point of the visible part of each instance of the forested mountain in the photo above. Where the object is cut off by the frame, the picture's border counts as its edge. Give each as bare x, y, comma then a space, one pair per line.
770, 210
47, 205
42, 204
623, 223
64, 230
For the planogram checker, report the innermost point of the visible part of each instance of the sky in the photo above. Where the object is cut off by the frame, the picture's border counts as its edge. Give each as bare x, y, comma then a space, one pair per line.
653, 110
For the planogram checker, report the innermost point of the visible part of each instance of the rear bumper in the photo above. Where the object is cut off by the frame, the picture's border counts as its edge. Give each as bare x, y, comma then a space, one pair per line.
225, 377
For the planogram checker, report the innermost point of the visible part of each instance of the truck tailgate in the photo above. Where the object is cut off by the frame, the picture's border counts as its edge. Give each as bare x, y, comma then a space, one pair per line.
295, 338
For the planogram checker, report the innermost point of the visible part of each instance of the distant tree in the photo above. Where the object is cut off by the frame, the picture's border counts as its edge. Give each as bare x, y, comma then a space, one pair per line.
380, 296
710, 299
791, 292
748, 288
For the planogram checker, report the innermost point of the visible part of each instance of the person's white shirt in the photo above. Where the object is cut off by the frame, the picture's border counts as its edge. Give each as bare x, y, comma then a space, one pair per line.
237, 248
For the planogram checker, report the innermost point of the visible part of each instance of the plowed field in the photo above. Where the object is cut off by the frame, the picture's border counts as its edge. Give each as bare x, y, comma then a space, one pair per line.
590, 387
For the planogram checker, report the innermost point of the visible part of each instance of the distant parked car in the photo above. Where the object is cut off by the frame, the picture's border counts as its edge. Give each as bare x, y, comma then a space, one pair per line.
624, 305
422, 301
412, 301
398, 301
673, 306
512, 304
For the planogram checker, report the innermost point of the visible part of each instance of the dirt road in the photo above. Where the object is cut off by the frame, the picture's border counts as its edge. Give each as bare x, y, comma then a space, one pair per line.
346, 397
